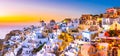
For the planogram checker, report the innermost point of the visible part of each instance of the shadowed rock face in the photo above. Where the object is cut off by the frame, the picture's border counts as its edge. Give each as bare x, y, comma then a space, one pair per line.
1, 44
12, 33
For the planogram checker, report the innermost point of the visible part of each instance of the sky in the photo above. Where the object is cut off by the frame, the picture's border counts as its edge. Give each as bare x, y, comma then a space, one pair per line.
15, 14
27, 11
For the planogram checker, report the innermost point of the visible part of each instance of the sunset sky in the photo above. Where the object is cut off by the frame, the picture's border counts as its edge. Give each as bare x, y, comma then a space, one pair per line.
27, 11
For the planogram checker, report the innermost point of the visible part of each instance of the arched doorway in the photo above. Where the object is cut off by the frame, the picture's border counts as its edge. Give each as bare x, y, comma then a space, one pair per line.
115, 52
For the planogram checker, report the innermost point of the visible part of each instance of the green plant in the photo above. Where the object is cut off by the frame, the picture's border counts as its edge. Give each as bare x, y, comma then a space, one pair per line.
113, 33
35, 50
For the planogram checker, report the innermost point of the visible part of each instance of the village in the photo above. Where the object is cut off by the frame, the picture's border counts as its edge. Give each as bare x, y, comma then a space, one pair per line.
90, 35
